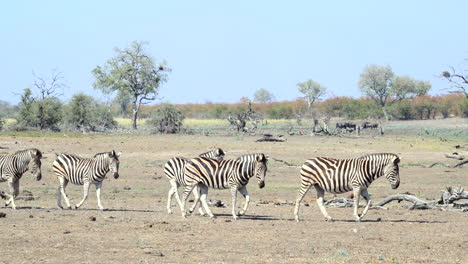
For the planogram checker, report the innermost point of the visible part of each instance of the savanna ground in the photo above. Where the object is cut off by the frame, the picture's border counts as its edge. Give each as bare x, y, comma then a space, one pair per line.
137, 229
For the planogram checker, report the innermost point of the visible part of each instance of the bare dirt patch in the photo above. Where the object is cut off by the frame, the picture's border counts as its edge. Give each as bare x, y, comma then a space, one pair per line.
137, 229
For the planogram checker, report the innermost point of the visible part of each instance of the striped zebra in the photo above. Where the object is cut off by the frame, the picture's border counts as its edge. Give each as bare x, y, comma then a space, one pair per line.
174, 171
343, 175
225, 174
84, 171
13, 166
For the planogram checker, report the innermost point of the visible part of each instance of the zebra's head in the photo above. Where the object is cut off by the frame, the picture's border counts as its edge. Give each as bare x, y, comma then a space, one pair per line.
392, 172
219, 154
35, 163
114, 163
261, 169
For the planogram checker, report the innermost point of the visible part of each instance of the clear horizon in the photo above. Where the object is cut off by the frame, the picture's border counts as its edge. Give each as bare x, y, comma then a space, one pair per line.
222, 51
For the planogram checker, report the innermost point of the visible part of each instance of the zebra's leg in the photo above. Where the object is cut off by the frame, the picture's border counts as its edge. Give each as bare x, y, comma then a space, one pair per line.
85, 194
357, 194
234, 201
187, 191
196, 194
320, 194
171, 193
204, 193
14, 190
246, 195
98, 195
302, 193
62, 185
366, 197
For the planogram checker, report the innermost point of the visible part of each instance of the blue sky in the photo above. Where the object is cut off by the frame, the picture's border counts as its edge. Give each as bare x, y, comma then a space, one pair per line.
220, 51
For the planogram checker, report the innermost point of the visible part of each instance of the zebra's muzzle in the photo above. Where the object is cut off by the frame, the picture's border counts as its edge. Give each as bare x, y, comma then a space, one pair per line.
38, 177
396, 185
116, 175
261, 184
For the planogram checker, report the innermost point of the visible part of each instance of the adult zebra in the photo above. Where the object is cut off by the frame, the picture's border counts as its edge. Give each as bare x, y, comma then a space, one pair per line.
343, 175
13, 166
232, 174
84, 171
174, 170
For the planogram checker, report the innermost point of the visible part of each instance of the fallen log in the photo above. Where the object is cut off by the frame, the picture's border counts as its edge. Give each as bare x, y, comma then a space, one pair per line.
270, 139
445, 202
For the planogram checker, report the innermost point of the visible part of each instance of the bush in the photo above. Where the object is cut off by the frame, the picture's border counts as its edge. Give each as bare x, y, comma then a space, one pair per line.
167, 119
463, 107
38, 113
280, 112
2, 123
402, 110
86, 114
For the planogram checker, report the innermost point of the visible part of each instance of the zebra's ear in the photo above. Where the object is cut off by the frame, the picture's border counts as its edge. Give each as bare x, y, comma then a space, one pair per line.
396, 160
261, 158
37, 153
118, 155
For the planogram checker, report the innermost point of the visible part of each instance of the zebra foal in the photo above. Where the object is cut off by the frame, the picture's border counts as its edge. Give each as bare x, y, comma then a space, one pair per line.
84, 171
343, 175
174, 170
225, 174
13, 166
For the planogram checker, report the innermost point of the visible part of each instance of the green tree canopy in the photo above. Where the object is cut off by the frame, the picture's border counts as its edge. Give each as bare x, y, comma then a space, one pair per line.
87, 114
263, 96
385, 88
132, 71
312, 91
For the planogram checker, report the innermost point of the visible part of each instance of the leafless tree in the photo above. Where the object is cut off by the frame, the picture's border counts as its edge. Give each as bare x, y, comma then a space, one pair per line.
49, 87
457, 80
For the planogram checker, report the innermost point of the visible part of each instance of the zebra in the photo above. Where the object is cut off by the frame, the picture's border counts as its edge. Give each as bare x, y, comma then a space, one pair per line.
232, 174
174, 171
13, 166
84, 171
343, 175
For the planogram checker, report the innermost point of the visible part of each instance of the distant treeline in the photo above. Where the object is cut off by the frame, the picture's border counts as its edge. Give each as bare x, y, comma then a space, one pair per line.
84, 113
421, 107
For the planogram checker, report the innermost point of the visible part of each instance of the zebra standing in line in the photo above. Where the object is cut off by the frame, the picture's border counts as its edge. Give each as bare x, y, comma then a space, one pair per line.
84, 171
174, 171
13, 166
232, 174
343, 175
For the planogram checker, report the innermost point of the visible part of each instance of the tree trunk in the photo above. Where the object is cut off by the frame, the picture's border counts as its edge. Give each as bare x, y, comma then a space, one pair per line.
135, 109
384, 110
134, 118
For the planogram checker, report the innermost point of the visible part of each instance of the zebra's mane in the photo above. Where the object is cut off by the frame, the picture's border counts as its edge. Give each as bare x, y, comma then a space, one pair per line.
378, 154
101, 153
39, 153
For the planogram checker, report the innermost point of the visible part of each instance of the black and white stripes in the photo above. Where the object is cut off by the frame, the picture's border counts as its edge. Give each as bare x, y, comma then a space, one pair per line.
343, 175
232, 174
13, 166
174, 170
84, 171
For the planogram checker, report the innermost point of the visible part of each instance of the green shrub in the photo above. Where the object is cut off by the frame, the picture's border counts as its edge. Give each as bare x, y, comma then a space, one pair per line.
402, 110
86, 114
463, 107
167, 119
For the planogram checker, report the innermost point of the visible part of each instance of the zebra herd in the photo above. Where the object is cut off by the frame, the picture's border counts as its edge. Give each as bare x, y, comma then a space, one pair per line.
209, 170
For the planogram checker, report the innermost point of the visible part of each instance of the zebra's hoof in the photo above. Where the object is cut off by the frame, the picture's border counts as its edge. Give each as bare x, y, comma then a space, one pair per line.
329, 219
241, 213
169, 211
358, 220
212, 216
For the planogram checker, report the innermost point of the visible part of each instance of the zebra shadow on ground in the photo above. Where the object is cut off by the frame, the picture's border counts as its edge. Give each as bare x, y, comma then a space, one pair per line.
391, 221
86, 209
249, 217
